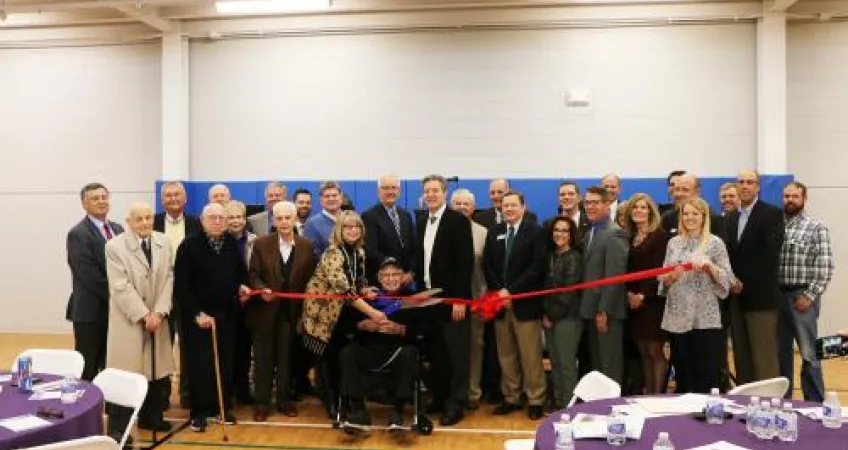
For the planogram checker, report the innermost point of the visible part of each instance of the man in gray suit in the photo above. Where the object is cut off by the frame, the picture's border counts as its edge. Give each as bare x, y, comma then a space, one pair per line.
604, 309
263, 223
88, 306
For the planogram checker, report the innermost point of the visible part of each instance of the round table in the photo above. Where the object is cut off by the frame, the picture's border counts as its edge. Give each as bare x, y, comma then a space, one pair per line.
81, 419
687, 432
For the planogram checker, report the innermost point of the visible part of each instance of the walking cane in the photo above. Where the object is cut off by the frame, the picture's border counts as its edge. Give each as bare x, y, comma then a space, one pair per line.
218, 380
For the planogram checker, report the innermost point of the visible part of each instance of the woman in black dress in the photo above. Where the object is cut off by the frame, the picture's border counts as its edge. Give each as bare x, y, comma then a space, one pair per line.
648, 243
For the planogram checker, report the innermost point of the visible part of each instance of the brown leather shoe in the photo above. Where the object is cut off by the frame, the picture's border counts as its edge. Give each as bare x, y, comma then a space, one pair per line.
288, 409
260, 414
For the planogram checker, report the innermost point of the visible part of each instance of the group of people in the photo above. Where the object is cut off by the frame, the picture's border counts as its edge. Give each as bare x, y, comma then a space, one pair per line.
756, 276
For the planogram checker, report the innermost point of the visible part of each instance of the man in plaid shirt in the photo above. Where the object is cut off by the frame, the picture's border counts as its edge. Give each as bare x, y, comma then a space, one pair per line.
806, 267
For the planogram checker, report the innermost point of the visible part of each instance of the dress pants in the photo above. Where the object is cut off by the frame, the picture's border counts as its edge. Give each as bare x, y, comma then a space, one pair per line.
801, 327
606, 349
201, 365
90, 341
563, 342
243, 357
760, 333
743, 363
272, 351
448, 354
696, 355
358, 362
520, 355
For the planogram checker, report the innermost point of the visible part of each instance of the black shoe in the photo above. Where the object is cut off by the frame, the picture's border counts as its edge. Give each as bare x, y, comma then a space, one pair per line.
505, 408
198, 424
534, 412
160, 425
357, 422
396, 422
452, 417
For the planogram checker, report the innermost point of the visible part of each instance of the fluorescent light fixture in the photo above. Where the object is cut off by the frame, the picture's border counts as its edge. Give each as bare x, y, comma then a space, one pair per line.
269, 6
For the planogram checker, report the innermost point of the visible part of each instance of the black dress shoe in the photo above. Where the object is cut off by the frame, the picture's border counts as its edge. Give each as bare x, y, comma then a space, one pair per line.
452, 417
505, 408
534, 412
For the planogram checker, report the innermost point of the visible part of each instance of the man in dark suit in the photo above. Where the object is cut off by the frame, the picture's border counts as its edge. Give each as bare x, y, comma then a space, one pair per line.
88, 305
755, 239
494, 215
445, 260
176, 225
514, 262
281, 262
604, 309
388, 230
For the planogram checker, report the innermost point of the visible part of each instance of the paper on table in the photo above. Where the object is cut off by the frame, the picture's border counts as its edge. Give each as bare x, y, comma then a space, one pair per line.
23, 423
5, 378
683, 404
53, 385
720, 445
46, 395
815, 412
637, 410
594, 426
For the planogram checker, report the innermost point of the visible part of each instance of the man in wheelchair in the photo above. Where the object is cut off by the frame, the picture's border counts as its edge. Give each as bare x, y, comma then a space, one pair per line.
385, 352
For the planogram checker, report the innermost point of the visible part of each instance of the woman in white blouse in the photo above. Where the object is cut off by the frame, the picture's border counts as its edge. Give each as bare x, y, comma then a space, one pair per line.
691, 313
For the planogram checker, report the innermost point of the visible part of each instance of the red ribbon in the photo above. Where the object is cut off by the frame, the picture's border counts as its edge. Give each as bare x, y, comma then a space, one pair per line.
490, 304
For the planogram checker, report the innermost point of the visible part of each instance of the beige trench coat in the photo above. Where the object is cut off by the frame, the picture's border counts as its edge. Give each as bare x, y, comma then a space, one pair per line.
135, 289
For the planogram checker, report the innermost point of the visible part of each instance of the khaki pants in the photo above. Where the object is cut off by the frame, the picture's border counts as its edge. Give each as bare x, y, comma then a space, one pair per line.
478, 328
520, 355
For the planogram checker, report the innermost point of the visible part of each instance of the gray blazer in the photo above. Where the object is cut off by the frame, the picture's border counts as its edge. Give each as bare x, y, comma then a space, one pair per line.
259, 223
89, 300
605, 256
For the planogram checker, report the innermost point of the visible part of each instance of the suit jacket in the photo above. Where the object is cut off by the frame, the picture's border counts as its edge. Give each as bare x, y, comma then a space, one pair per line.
718, 224
605, 256
265, 272
89, 300
451, 260
137, 288
488, 217
192, 223
382, 241
755, 258
260, 223
525, 269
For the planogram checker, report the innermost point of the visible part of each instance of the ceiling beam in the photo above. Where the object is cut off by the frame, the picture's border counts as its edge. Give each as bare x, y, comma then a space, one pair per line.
147, 16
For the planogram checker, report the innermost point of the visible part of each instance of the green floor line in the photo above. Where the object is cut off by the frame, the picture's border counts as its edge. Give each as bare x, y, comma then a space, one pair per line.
266, 446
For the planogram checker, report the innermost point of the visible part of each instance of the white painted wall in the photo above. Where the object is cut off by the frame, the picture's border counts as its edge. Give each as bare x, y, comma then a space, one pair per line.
68, 116
475, 103
818, 111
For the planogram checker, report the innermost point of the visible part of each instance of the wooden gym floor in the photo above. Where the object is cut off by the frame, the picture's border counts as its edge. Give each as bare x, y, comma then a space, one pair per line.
480, 430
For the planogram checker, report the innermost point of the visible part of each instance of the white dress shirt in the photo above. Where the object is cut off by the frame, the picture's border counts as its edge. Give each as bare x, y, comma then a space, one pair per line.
429, 238
286, 248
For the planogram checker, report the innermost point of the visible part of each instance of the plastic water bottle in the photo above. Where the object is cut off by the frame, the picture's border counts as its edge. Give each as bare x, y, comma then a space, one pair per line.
616, 429
775, 411
564, 434
715, 408
751, 416
766, 422
832, 412
786, 423
69, 390
663, 442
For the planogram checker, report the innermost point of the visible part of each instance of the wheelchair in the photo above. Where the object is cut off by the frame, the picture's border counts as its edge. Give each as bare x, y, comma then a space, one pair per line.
421, 424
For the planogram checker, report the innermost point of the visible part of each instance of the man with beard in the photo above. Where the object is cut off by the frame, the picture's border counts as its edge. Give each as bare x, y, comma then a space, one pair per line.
303, 201
806, 267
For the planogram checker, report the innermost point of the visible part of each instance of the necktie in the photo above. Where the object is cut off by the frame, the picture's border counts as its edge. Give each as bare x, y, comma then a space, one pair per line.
396, 222
107, 231
510, 236
432, 220
591, 236
145, 247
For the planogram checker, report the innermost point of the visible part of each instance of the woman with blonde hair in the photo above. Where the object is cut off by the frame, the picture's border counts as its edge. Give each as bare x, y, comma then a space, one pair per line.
648, 242
341, 271
692, 298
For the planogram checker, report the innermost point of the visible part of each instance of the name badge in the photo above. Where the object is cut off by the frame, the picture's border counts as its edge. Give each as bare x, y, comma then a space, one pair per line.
501, 237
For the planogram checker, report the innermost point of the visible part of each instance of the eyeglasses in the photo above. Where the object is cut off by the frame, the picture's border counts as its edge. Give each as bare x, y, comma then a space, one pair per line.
390, 274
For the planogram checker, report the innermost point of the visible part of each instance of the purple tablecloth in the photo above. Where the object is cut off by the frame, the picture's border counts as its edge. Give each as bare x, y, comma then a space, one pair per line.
686, 432
83, 418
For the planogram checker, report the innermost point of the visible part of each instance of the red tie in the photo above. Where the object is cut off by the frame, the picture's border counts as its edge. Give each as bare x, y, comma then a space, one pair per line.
107, 231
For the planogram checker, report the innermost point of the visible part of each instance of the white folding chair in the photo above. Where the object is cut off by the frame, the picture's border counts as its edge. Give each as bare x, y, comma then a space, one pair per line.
519, 444
595, 386
125, 389
87, 443
773, 387
52, 361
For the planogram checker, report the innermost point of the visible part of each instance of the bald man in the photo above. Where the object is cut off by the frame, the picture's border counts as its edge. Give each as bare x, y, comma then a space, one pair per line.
139, 270
220, 194
210, 278
389, 229
686, 187
612, 183
494, 215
